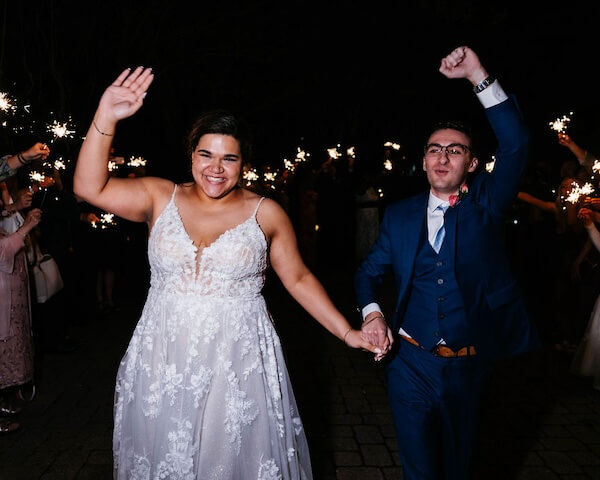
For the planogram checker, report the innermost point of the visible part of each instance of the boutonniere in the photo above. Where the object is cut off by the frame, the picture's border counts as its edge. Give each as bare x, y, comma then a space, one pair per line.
462, 192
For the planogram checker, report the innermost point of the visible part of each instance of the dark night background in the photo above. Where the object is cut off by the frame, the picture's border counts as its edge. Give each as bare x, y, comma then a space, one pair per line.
355, 73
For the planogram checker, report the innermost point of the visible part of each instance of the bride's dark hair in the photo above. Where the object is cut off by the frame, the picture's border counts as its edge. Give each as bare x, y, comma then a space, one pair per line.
222, 122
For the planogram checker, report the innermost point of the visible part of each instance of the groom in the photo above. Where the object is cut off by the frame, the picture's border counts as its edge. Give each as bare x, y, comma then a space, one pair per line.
458, 309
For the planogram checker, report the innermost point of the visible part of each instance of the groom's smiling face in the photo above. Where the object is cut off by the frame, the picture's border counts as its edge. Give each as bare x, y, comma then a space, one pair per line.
447, 161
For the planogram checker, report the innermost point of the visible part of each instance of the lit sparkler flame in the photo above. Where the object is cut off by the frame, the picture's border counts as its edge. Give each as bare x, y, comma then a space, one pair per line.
7, 104
59, 164
577, 191
250, 176
333, 152
489, 167
290, 166
270, 176
350, 152
106, 220
560, 124
395, 146
136, 162
60, 130
387, 164
301, 156
36, 176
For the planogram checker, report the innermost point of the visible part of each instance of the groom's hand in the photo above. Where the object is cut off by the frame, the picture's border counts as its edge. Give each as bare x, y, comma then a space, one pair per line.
375, 330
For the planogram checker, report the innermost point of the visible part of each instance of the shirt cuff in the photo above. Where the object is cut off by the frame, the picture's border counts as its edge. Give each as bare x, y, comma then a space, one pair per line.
492, 95
371, 307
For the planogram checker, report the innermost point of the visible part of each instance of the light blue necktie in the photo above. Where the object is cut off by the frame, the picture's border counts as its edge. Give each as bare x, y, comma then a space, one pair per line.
439, 236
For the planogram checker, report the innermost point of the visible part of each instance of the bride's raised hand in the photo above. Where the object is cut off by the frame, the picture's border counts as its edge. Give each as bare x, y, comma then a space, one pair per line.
124, 96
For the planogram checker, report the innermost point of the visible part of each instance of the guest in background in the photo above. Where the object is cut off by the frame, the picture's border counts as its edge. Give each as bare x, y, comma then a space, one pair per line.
586, 361
16, 342
10, 163
585, 158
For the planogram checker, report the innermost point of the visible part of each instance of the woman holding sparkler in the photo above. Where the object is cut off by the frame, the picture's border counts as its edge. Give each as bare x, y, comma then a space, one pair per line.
16, 341
203, 390
586, 361
10, 163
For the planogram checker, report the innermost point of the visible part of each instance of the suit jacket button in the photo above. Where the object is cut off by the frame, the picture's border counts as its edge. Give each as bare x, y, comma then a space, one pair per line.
440, 281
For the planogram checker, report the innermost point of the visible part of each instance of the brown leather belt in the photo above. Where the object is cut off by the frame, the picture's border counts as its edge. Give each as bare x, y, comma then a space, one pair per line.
447, 352
444, 350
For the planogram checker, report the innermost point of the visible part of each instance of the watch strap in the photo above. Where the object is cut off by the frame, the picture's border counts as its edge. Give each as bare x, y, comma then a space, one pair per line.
486, 82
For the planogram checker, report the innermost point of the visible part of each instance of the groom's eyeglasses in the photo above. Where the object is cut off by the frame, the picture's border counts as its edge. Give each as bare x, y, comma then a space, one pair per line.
454, 150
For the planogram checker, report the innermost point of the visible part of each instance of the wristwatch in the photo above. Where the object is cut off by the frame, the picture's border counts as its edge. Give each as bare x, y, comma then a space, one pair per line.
486, 82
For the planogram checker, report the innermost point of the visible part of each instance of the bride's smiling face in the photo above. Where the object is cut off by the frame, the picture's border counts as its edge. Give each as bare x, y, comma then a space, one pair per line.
217, 164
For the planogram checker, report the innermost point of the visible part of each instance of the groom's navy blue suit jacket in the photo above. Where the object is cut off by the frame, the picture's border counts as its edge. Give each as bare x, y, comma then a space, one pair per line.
496, 315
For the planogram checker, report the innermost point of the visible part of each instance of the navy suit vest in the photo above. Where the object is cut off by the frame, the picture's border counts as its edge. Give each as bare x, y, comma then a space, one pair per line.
435, 308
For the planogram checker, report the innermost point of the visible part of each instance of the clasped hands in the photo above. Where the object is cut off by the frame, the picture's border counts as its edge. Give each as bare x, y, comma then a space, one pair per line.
376, 331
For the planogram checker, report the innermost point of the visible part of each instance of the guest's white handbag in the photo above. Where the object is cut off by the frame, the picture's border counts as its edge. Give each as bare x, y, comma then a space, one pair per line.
47, 278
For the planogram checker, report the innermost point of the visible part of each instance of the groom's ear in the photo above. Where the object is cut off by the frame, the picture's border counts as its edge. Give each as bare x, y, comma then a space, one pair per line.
473, 164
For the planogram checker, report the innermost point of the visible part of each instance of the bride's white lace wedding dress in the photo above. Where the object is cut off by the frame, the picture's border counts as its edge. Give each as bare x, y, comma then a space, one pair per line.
203, 391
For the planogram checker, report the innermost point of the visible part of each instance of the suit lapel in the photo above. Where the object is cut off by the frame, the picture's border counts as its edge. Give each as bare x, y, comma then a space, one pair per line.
410, 227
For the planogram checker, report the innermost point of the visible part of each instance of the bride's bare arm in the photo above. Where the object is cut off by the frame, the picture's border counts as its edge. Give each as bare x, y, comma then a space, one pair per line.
300, 282
127, 198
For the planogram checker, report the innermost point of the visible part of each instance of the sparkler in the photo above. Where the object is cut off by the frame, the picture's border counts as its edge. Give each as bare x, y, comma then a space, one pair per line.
60, 130
577, 191
387, 164
250, 176
58, 164
301, 156
489, 167
35, 176
270, 176
333, 152
136, 162
106, 220
560, 124
7, 104
395, 146
290, 166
